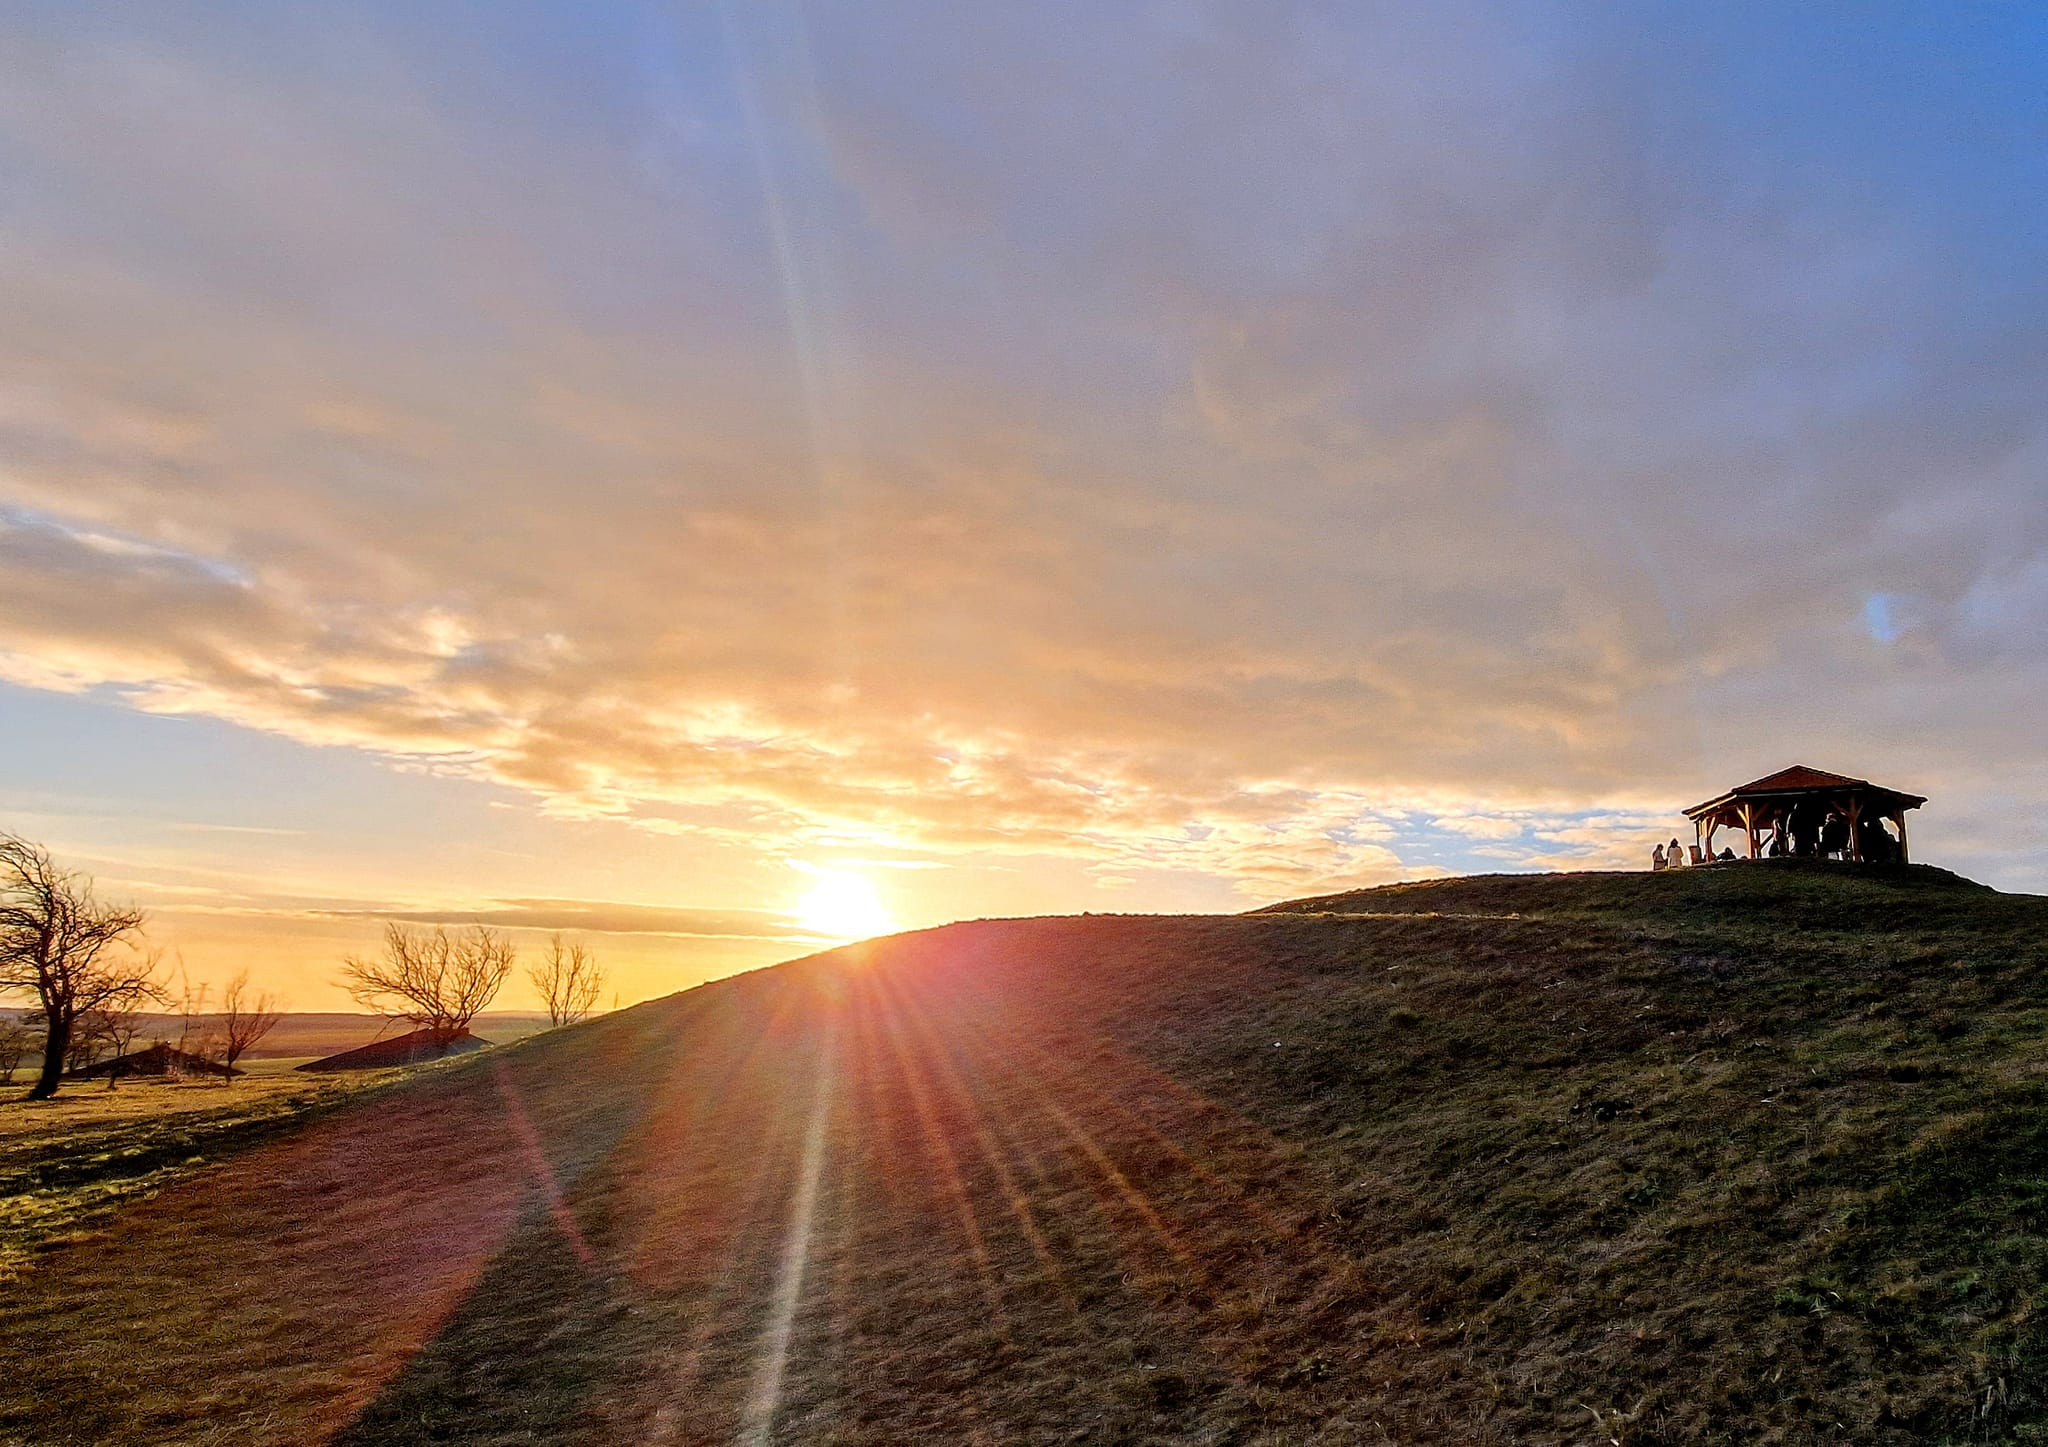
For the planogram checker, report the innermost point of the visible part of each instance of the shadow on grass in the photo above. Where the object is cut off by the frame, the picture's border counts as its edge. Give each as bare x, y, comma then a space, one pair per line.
523, 1357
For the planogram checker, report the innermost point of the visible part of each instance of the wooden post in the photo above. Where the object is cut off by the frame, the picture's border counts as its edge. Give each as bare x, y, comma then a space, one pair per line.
1904, 858
1855, 829
1749, 825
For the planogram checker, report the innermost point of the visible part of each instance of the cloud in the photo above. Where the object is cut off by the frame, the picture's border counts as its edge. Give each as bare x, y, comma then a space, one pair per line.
1479, 826
594, 916
1167, 440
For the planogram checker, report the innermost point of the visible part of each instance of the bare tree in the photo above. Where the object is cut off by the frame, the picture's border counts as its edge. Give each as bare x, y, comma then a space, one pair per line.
198, 1031
89, 1037
16, 1040
119, 1029
72, 953
245, 1018
94, 1033
568, 978
436, 980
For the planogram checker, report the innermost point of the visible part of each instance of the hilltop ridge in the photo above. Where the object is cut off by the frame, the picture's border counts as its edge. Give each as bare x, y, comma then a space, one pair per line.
1795, 890
1752, 1153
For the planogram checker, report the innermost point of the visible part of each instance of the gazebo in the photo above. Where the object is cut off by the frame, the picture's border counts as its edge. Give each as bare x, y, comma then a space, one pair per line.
1795, 804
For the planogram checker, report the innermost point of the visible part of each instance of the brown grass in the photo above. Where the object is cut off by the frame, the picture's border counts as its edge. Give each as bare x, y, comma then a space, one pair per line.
1590, 1165
68, 1161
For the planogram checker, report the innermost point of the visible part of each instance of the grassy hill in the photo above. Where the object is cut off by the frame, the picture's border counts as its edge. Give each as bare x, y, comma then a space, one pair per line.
1756, 1153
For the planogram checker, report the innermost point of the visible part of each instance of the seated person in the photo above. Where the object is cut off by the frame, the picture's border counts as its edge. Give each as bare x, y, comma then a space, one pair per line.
1727, 855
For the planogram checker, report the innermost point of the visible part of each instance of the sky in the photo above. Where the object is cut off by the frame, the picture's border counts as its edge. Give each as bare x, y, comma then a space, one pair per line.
611, 468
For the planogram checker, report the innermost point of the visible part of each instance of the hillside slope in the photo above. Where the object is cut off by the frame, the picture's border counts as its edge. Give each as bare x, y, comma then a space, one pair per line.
1754, 1154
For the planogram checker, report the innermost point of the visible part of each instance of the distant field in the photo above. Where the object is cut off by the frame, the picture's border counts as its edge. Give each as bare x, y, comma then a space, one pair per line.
308, 1035
1753, 1154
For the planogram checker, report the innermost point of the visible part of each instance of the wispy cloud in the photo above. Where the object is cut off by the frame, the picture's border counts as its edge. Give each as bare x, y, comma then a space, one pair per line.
591, 916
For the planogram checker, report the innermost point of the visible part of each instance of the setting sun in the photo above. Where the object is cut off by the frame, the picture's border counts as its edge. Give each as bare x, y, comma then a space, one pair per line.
843, 906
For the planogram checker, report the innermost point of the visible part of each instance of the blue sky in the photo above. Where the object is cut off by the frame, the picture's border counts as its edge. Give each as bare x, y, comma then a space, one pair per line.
548, 460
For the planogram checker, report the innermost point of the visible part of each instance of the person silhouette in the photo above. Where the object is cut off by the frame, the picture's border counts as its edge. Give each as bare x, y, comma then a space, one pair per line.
1875, 843
1805, 826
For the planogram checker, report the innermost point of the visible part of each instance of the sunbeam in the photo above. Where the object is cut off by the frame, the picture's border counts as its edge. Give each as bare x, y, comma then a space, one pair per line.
758, 1422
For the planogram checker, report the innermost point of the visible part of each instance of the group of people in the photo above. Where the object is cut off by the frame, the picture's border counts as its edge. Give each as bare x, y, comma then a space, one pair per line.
1809, 831
1672, 855
1812, 831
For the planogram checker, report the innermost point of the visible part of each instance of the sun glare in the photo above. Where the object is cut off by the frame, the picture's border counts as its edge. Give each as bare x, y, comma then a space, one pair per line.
843, 906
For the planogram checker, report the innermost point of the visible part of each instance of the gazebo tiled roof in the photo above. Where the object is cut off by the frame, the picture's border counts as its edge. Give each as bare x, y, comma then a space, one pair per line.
1801, 779
1799, 776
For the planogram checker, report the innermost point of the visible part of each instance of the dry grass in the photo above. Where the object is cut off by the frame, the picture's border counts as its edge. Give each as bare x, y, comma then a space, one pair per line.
66, 1162
89, 1105
1582, 1159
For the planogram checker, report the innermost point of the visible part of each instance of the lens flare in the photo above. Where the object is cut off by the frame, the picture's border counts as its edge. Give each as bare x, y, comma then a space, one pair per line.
843, 906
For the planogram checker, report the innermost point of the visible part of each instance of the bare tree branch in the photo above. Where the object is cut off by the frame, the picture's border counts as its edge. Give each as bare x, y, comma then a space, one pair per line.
568, 978
121, 1028
436, 980
198, 1031
245, 1018
16, 1040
